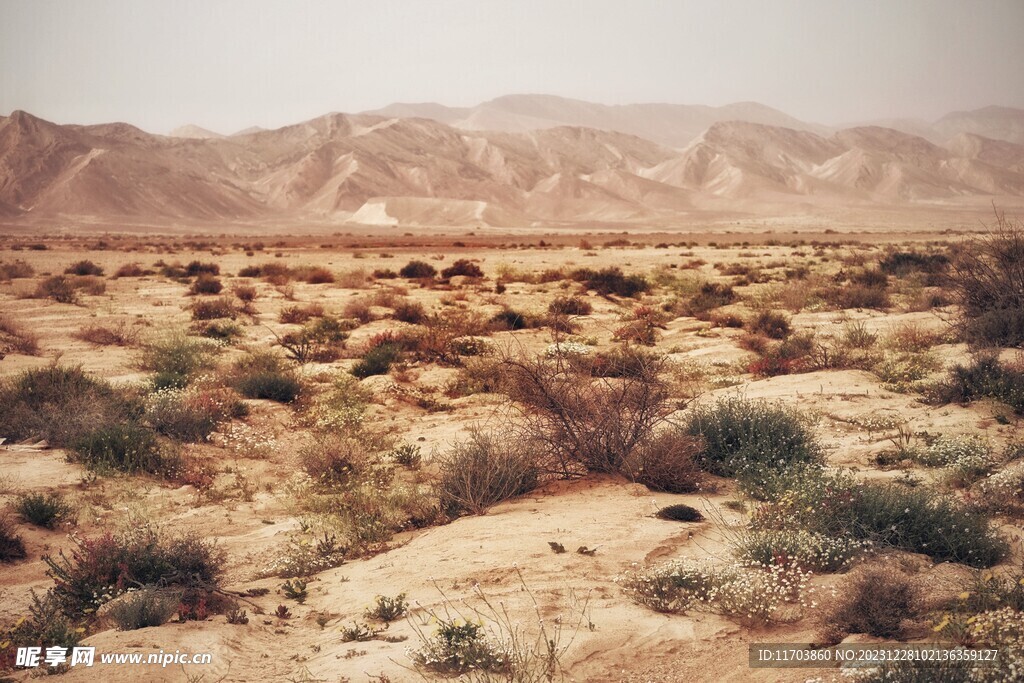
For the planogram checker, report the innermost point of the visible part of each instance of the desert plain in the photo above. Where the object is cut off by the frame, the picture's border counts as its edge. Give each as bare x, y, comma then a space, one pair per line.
368, 450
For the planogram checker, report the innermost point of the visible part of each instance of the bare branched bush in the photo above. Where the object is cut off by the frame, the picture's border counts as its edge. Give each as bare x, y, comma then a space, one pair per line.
668, 461
987, 275
485, 469
587, 423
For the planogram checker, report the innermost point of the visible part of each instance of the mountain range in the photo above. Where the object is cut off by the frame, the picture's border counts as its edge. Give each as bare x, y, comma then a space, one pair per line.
516, 160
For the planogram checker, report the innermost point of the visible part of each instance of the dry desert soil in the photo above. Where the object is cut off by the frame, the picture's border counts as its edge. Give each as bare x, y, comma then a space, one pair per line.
348, 487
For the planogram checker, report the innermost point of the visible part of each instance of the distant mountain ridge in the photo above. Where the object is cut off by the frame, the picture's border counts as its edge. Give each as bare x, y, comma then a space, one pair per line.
677, 125
404, 170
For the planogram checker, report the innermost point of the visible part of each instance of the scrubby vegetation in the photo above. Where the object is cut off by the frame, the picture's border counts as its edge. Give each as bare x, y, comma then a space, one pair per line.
612, 377
62, 405
988, 281
263, 374
483, 470
44, 510
753, 440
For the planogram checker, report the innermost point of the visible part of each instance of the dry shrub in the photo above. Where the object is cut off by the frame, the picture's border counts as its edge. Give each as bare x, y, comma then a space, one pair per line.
120, 333
297, 315
245, 293
416, 270
335, 460
83, 268
206, 284
12, 547
212, 309
912, 338
59, 288
16, 339
131, 270
463, 267
988, 281
316, 275
409, 311
438, 338
583, 422
195, 268
359, 309
485, 469
878, 601
15, 270
667, 462
570, 305
771, 324
356, 278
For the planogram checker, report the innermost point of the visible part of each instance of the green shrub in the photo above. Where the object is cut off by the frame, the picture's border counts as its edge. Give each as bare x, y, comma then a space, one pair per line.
320, 340
264, 375
408, 455
142, 609
388, 609
225, 331
45, 511
416, 270
750, 595
484, 470
12, 547
918, 519
125, 447
377, 361
985, 377
83, 268
175, 358
460, 646
283, 387
807, 550
751, 439
59, 404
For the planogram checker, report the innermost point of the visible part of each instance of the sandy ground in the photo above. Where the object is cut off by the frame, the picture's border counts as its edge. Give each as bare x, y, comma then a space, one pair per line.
618, 640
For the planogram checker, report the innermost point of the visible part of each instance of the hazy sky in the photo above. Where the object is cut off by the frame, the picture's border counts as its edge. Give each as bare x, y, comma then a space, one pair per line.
230, 64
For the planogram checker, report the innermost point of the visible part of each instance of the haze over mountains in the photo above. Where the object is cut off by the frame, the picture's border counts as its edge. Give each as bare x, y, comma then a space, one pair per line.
516, 160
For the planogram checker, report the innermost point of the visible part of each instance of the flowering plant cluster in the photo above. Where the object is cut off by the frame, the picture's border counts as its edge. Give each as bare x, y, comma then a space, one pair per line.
754, 594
